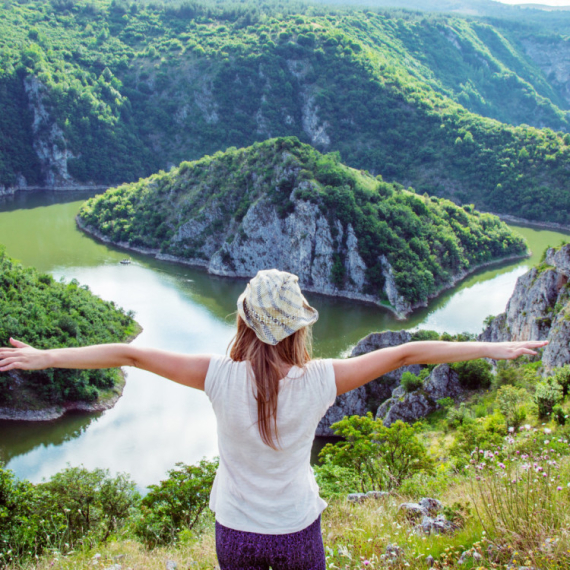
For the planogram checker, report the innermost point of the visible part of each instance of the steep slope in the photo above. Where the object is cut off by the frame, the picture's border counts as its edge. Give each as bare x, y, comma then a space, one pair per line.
282, 204
110, 92
539, 309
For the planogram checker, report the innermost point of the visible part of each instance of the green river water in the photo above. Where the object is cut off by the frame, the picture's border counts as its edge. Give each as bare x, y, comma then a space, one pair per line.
157, 423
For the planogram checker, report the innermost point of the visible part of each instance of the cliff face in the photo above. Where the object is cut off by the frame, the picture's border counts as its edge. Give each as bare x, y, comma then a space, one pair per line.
539, 309
367, 398
282, 204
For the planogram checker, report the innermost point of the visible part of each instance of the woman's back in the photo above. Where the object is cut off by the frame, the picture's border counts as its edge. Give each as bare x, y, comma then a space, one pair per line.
258, 488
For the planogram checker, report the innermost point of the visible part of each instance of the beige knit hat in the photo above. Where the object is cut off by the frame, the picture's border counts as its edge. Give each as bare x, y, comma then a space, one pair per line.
274, 307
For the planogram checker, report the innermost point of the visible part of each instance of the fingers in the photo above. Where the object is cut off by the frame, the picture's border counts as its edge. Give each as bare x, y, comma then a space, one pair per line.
18, 343
9, 364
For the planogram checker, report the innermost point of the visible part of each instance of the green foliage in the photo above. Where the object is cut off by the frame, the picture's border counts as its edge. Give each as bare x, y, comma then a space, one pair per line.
75, 507
133, 90
548, 394
176, 503
39, 311
562, 377
425, 242
380, 456
459, 416
513, 404
411, 382
335, 481
92, 503
474, 373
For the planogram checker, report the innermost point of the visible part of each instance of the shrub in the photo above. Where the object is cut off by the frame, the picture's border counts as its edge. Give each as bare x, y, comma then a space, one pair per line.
93, 503
411, 382
474, 374
562, 376
381, 456
176, 503
559, 415
336, 481
548, 394
512, 403
459, 416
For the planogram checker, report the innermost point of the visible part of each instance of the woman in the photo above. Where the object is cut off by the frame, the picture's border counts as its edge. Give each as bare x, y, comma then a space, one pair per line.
268, 396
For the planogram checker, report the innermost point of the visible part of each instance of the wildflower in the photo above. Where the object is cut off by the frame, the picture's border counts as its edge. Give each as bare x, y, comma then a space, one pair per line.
547, 430
502, 465
511, 429
559, 488
366, 562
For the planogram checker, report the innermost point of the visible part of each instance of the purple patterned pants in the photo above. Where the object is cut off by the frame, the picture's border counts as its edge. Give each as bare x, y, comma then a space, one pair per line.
239, 550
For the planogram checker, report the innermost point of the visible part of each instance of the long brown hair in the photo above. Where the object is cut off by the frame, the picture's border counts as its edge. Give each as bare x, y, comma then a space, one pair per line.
266, 362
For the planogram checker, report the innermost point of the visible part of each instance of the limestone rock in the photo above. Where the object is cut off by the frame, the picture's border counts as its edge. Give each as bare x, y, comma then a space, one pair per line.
539, 309
437, 525
443, 382
356, 497
362, 399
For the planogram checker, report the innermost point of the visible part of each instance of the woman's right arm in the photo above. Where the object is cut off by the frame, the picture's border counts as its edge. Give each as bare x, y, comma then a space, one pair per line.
351, 373
189, 370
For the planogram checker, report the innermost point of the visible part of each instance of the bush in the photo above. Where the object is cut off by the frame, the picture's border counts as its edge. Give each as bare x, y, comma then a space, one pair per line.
93, 503
176, 503
548, 394
336, 481
459, 416
411, 382
474, 374
512, 403
381, 456
562, 377
559, 415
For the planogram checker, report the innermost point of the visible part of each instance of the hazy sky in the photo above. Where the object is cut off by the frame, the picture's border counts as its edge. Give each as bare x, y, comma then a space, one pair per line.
547, 2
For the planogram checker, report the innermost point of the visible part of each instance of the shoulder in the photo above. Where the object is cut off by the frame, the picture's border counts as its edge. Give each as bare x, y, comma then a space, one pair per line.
221, 369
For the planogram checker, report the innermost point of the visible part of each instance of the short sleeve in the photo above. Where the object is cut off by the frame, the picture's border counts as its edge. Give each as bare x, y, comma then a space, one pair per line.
212, 384
329, 383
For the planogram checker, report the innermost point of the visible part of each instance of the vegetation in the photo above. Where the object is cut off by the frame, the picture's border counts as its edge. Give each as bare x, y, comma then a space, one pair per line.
46, 314
130, 88
427, 241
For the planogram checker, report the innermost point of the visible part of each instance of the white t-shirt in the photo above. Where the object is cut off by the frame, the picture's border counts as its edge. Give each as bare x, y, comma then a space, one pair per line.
258, 489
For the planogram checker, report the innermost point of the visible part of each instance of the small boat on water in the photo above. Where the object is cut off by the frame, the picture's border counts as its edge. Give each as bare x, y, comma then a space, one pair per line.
125, 261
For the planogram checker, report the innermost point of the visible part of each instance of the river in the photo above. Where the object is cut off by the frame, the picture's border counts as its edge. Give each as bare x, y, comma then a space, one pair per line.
157, 423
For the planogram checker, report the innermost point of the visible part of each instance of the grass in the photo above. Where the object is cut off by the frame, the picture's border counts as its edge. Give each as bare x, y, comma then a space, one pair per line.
356, 535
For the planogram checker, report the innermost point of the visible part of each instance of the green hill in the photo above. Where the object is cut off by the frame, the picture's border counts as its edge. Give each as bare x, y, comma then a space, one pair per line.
98, 92
282, 204
47, 314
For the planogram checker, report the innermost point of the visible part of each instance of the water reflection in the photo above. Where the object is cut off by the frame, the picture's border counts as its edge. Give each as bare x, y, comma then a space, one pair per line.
24, 436
158, 423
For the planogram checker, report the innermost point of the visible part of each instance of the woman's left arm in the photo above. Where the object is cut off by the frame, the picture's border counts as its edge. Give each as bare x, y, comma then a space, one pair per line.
189, 370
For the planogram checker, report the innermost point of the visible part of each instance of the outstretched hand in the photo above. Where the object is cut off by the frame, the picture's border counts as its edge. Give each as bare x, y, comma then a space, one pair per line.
22, 357
512, 350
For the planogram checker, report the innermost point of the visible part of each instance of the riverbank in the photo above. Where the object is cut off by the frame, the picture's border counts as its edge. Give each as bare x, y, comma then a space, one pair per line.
29, 409
367, 299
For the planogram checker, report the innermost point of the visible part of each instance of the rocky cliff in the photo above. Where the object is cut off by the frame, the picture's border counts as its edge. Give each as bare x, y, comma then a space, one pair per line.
367, 398
385, 397
539, 309
282, 204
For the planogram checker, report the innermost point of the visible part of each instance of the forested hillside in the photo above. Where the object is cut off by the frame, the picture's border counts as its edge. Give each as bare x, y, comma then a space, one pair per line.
99, 92
47, 314
280, 203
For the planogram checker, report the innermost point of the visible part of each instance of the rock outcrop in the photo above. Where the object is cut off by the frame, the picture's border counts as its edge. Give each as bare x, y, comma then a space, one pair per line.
538, 309
367, 398
443, 382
